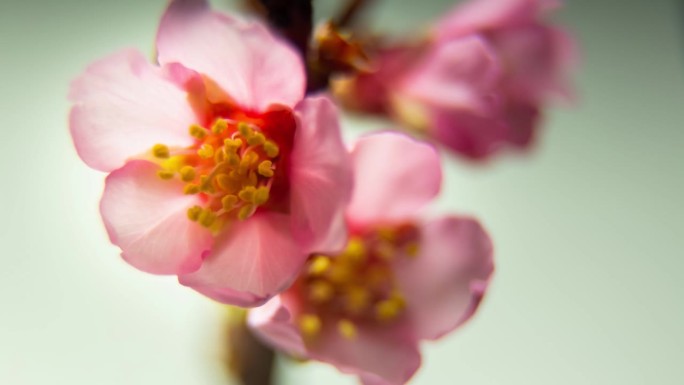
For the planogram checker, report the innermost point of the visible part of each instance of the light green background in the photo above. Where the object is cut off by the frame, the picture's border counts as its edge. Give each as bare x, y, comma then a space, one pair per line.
588, 228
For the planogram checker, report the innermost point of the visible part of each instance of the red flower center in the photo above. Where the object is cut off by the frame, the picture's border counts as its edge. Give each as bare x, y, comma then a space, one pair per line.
238, 164
358, 285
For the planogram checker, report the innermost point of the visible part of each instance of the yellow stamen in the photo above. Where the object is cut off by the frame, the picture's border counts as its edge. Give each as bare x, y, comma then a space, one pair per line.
227, 183
389, 309
412, 249
187, 173
347, 329
319, 265
321, 291
206, 218
197, 131
205, 184
160, 151
190, 189
257, 139
246, 162
247, 194
165, 174
265, 168
228, 202
219, 156
309, 325
251, 179
340, 272
246, 211
245, 130
261, 195
232, 159
206, 151
232, 144
219, 126
194, 212
386, 234
357, 299
271, 149
356, 250
385, 251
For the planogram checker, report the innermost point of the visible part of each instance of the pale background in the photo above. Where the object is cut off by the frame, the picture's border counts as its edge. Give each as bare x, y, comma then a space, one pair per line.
588, 228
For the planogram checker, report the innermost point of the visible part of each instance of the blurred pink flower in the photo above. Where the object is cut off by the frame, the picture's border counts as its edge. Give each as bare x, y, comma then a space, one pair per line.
221, 172
400, 280
479, 83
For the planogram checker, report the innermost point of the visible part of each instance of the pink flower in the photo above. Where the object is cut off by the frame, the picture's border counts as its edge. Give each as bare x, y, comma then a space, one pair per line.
480, 82
400, 280
221, 172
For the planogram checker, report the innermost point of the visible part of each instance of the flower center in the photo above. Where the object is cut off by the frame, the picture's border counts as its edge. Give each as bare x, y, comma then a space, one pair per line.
231, 166
358, 285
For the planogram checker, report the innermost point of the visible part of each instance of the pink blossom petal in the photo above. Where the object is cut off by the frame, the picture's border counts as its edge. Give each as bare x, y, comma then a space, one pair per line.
379, 354
394, 176
321, 177
273, 323
457, 74
477, 15
255, 68
147, 218
251, 261
468, 134
537, 58
122, 107
444, 284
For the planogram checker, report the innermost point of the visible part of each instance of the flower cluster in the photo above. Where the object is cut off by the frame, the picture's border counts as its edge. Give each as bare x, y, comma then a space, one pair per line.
226, 174
477, 83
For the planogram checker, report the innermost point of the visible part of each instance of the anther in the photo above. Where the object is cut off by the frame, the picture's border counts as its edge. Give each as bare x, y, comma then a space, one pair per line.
265, 168
389, 309
257, 139
197, 131
160, 151
228, 202
232, 144
187, 173
309, 325
190, 189
227, 183
251, 179
357, 299
261, 195
165, 174
247, 194
206, 151
206, 218
219, 156
411, 249
356, 250
385, 251
319, 265
271, 149
219, 126
194, 212
232, 159
321, 291
244, 129
347, 329
246, 211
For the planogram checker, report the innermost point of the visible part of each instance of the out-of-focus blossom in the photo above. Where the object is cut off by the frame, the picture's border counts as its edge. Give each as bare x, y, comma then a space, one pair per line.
400, 280
221, 172
479, 82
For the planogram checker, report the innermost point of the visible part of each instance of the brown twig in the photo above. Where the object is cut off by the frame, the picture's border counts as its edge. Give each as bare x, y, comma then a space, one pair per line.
248, 359
292, 18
